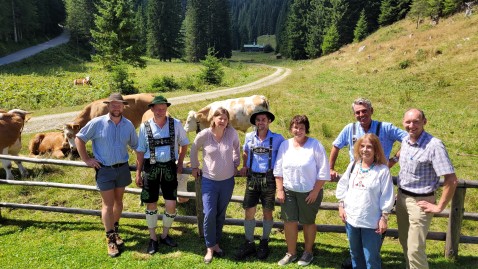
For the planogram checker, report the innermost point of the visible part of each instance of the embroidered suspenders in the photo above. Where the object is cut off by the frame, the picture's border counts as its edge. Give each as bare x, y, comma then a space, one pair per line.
259, 150
377, 131
158, 142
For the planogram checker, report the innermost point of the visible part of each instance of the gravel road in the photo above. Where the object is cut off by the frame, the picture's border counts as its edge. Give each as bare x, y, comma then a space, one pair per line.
52, 122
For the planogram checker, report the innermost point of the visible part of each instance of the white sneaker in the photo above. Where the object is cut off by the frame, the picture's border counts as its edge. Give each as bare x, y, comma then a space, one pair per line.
288, 258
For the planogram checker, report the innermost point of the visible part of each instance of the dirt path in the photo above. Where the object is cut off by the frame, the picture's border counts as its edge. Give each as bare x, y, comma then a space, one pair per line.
51, 122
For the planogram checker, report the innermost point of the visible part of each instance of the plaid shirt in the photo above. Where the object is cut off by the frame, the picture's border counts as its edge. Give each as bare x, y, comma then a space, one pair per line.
422, 164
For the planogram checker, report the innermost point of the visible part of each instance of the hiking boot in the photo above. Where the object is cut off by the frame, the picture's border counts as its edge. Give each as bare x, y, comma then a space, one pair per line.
288, 258
152, 247
168, 241
247, 249
263, 249
111, 244
306, 259
119, 241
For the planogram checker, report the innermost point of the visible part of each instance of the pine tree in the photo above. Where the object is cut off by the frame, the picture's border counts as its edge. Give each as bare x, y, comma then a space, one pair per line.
296, 29
360, 31
115, 36
419, 9
164, 25
78, 21
316, 21
331, 40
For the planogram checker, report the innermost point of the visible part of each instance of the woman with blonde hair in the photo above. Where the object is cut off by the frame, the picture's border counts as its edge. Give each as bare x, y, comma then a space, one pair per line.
220, 150
365, 192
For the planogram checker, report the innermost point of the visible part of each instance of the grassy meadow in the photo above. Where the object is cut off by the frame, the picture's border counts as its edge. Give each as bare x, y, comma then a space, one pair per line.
398, 67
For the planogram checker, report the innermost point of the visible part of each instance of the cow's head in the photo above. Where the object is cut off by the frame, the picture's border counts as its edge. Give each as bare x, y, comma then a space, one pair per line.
69, 132
191, 123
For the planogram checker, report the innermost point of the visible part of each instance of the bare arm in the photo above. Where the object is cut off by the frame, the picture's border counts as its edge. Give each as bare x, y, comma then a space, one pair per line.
391, 162
243, 171
280, 190
81, 147
139, 168
449, 187
315, 191
334, 153
182, 154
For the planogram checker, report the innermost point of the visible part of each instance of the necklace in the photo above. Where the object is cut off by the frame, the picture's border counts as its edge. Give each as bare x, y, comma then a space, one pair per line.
366, 170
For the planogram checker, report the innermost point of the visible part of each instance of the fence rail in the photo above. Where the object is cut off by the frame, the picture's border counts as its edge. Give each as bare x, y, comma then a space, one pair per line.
452, 237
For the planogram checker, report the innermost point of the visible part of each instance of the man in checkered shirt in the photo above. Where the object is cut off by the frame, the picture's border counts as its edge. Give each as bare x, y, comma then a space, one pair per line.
423, 159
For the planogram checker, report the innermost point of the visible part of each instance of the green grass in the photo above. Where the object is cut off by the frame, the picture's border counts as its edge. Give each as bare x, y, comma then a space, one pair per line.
443, 84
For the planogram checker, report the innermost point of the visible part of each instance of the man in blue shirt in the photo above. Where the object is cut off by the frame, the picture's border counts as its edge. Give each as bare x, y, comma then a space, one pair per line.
110, 135
162, 141
387, 133
258, 158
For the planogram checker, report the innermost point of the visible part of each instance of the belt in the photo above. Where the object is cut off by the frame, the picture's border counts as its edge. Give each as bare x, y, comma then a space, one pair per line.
254, 174
416, 194
114, 165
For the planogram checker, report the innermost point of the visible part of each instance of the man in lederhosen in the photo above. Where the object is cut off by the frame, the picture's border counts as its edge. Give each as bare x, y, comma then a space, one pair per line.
159, 140
259, 156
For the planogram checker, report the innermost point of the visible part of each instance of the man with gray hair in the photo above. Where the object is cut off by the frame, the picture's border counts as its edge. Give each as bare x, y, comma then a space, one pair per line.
387, 133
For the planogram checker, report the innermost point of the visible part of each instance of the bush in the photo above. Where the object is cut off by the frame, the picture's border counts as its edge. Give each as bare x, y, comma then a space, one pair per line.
268, 48
120, 81
192, 83
404, 64
212, 73
164, 84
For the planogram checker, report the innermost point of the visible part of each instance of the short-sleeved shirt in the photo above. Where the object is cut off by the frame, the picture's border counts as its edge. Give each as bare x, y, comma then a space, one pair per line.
422, 164
260, 161
109, 140
301, 167
388, 135
163, 153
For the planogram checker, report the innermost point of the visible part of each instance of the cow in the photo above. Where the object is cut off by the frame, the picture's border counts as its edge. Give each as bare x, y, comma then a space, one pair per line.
54, 143
11, 126
240, 111
82, 81
137, 105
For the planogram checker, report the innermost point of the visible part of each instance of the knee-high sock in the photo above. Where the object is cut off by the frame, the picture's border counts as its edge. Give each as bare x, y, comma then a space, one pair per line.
152, 218
266, 228
168, 219
249, 226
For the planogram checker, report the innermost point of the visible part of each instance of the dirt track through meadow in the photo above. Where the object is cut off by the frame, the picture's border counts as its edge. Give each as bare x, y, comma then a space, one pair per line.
52, 122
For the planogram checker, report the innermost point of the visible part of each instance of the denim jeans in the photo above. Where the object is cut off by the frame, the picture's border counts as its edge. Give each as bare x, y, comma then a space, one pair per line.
215, 197
365, 246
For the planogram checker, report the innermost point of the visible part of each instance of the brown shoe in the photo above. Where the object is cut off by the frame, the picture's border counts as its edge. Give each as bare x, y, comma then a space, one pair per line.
111, 244
119, 241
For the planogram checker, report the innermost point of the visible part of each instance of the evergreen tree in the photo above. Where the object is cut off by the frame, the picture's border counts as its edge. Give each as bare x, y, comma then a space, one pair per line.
419, 10
164, 25
115, 36
141, 22
296, 30
331, 40
451, 6
392, 11
316, 21
360, 31
80, 19
220, 28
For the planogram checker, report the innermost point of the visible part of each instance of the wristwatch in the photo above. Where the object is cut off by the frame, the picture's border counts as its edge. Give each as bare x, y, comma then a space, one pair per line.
385, 217
395, 159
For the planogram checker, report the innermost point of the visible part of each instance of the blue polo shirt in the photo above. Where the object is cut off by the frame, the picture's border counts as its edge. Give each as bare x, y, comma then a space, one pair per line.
109, 140
388, 135
260, 161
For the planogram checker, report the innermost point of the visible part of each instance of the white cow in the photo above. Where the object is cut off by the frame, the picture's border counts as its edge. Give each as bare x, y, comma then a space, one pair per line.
240, 111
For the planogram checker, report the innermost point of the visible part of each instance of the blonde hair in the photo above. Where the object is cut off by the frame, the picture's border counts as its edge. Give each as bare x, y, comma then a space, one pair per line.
220, 111
379, 156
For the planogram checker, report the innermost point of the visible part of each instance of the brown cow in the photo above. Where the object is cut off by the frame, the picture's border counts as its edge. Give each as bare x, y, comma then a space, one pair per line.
11, 126
82, 81
240, 111
137, 105
54, 143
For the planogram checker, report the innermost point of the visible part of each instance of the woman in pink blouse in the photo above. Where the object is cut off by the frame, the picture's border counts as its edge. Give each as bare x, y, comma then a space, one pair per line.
220, 151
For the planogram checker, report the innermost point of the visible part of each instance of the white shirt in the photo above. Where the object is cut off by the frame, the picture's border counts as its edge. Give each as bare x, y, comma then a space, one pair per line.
366, 195
301, 167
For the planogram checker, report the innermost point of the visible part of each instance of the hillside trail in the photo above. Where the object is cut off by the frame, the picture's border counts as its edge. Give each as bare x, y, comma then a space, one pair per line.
55, 121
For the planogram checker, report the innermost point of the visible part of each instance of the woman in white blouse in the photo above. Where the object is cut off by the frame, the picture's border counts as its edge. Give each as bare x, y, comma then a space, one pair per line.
301, 170
220, 150
365, 192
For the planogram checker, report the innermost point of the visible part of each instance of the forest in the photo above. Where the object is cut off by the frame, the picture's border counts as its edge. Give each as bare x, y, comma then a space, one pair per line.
169, 29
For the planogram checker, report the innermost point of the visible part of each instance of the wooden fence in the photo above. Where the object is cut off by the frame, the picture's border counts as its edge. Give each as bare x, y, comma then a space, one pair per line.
452, 236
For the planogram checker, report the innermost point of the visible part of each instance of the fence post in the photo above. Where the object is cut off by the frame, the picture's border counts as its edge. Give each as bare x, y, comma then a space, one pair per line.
454, 223
199, 205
